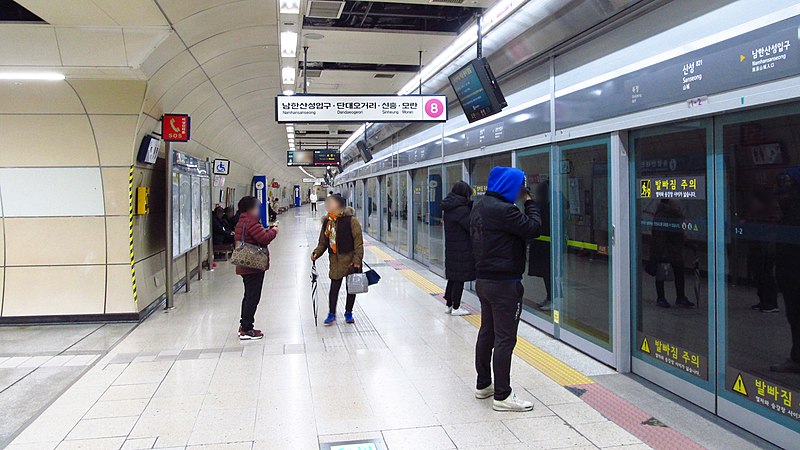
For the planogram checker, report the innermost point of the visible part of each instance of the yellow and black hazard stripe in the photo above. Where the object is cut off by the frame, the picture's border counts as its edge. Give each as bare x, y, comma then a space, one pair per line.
130, 236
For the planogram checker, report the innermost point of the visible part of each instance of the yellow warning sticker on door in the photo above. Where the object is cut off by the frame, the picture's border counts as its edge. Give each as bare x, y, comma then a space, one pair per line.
646, 191
645, 345
555, 316
738, 385
764, 392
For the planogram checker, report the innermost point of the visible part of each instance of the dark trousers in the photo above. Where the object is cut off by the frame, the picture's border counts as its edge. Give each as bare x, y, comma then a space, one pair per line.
453, 292
333, 297
680, 283
501, 306
791, 298
252, 295
313, 206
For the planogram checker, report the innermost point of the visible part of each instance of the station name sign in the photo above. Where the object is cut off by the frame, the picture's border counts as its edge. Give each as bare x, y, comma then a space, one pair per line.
360, 108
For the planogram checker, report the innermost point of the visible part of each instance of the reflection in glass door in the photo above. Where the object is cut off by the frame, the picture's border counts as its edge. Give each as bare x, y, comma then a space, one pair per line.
420, 209
538, 277
585, 220
670, 222
401, 213
359, 203
373, 217
387, 210
436, 225
759, 268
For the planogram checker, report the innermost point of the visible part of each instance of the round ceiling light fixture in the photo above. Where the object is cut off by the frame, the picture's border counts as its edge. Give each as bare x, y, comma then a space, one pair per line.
314, 36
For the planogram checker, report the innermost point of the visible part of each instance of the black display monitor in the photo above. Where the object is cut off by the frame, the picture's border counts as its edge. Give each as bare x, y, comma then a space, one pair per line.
311, 158
366, 155
477, 90
148, 149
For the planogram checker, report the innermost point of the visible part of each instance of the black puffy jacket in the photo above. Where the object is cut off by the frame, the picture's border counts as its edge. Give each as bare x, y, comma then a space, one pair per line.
499, 232
459, 263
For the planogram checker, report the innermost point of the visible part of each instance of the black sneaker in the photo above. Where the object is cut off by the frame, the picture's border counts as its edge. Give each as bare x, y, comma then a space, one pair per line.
684, 302
662, 302
769, 309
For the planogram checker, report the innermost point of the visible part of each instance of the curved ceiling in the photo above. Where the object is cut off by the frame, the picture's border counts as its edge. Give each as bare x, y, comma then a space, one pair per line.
217, 60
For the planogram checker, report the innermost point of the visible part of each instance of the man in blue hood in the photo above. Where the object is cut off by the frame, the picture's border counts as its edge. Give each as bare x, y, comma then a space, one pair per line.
499, 231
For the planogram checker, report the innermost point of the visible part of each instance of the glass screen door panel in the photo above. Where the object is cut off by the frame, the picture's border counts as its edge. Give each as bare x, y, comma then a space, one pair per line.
401, 213
419, 234
586, 270
373, 217
538, 275
387, 210
672, 299
760, 279
359, 203
436, 225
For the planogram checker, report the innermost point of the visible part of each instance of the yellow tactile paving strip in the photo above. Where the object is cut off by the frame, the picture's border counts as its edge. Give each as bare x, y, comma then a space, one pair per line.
422, 282
379, 253
544, 362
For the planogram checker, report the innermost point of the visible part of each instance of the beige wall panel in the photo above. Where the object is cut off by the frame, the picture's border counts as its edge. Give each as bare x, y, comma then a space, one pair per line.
119, 290
36, 291
115, 191
46, 141
150, 280
148, 235
115, 139
167, 50
2, 273
93, 47
118, 239
2, 245
111, 96
69, 191
133, 13
140, 42
163, 80
80, 12
29, 45
31, 97
55, 240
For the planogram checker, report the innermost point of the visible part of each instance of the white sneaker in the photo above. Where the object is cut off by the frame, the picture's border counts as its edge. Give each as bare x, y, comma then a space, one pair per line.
459, 312
486, 392
448, 310
512, 403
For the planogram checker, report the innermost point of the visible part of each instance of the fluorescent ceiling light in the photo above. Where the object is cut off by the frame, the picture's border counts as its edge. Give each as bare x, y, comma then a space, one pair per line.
464, 41
289, 129
288, 44
288, 92
47, 76
290, 6
288, 75
290, 135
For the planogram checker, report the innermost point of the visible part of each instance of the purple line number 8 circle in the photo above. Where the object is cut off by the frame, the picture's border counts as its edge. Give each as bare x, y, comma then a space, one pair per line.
434, 108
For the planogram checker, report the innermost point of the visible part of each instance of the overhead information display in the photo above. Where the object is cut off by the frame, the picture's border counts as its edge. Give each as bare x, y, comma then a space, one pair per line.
477, 90
311, 158
759, 56
360, 108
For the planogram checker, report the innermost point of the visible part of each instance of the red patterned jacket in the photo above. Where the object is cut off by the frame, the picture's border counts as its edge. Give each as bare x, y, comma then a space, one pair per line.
256, 234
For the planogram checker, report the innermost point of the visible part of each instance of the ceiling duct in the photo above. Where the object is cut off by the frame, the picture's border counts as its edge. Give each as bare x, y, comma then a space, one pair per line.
324, 9
449, 2
384, 75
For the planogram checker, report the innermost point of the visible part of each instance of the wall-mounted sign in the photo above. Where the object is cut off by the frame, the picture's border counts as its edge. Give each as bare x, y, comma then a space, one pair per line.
360, 108
759, 56
175, 127
222, 167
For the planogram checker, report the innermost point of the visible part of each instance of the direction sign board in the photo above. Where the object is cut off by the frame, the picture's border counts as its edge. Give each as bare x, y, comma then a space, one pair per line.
360, 108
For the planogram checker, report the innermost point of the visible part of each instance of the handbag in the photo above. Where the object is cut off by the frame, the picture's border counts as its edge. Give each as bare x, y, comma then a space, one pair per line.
357, 283
250, 256
372, 276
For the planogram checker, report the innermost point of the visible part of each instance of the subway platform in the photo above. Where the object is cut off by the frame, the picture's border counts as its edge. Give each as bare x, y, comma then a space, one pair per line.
402, 377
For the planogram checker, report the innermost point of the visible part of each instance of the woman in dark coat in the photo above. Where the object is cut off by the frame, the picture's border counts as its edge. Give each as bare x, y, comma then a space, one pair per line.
459, 262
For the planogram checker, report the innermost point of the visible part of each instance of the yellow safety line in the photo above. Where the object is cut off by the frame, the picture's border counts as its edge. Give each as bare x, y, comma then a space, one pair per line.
423, 283
380, 253
571, 243
544, 362
130, 236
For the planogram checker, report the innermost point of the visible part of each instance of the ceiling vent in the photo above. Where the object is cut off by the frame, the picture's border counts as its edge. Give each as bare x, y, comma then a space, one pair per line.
384, 75
324, 9
449, 2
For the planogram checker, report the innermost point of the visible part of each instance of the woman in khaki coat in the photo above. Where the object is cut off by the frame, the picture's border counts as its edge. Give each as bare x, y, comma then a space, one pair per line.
341, 237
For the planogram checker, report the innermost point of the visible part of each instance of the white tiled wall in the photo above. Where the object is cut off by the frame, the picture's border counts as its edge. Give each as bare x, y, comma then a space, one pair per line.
65, 156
